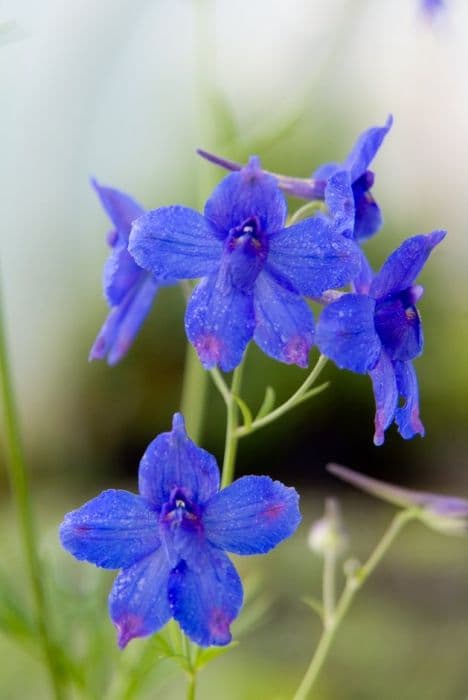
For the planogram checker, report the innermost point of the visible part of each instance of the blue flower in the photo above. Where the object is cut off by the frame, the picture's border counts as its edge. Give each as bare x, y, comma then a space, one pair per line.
368, 219
170, 540
254, 271
128, 289
380, 332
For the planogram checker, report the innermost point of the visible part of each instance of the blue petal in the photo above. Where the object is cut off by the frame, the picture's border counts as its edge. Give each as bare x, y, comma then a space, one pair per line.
246, 194
172, 461
313, 257
340, 202
114, 530
120, 274
175, 243
205, 595
284, 323
368, 215
220, 320
365, 149
326, 170
407, 415
386, 396
124, 321
138, 601
346, 333
363, 279
404, 264
121, 209
252, 515
398, 325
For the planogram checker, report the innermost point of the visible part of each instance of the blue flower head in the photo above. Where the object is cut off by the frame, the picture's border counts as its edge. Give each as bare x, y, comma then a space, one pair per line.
380, 332
255, 272
128, 289
170, 540
368, 218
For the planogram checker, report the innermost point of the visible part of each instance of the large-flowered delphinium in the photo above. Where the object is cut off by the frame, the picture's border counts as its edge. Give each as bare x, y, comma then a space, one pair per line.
170, 540
379, 331
128, 289
255, 271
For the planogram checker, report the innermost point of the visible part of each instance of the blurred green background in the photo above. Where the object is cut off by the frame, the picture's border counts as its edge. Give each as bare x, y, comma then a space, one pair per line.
125, 92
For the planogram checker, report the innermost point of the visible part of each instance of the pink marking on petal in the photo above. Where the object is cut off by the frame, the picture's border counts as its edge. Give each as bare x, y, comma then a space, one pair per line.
129, 627
296, 351
219, 626
209, 349
274, 511
416, 423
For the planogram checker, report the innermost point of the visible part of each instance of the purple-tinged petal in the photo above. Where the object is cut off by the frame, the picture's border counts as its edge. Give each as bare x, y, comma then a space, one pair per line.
446, 514
346, 333
340, 202
284, 323
252, 515
407, 415
386, 396
173, 462
363, 279
404, 264
138, 601
220, 320
313, 257
121, 209
113, 531
120, 274
365, 149
246, 194
326, 170
205, 595
175, 243
398, 325
368, 215
124, 321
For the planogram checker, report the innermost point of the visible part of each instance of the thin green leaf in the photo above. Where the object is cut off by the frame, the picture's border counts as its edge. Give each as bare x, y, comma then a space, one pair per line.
245, 410
267, 403
314, 604
314, 392
212, 653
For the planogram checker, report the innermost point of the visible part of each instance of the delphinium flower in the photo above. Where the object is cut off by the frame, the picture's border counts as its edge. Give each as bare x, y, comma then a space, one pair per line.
368, 217
379, 331
128, 289
255, 272
170, 540
432, 8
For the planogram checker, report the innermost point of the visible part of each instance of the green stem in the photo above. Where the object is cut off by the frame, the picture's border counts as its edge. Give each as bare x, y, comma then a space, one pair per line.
328, 587
353, 584
287, 405
21, 495
192, 686
194, 390
232, 436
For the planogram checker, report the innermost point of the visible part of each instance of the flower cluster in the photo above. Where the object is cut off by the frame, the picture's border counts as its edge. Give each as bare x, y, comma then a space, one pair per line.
256, 273
170, 540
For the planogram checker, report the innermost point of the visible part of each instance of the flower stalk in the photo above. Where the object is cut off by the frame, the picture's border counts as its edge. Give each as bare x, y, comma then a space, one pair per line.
19, 482
354, 582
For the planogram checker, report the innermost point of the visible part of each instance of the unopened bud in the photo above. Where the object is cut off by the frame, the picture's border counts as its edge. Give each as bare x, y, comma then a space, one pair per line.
328, 535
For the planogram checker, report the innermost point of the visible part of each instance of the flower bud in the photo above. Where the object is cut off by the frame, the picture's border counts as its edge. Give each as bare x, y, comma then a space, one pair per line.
328, 535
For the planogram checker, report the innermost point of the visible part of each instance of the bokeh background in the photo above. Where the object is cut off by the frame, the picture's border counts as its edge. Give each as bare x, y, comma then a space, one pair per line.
125, 91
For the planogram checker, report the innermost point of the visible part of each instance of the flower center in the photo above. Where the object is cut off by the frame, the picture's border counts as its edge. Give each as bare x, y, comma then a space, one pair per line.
398, 325
179, 511
247, 245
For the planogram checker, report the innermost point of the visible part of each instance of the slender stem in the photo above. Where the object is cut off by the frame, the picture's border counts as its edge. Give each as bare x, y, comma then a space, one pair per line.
232, 436
353, 584
192, 686
194, 390
221, 385
306, 210
287, 405
328, 587
21, 495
